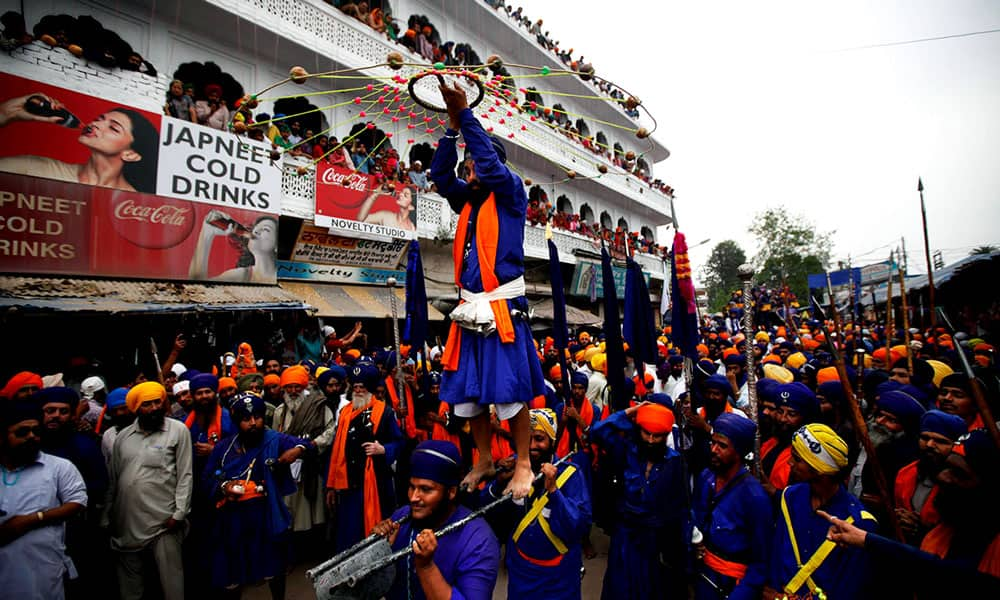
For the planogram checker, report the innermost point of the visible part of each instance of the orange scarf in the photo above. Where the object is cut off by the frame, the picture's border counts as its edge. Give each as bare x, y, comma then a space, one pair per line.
487, 241
409, 423
938, 542
782, 469
337, 476
906, 485
214, 428
100, 421
587, 414
441, 433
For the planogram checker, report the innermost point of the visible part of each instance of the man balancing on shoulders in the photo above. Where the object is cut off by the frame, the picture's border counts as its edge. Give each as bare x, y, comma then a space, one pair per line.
462, 565
490, 357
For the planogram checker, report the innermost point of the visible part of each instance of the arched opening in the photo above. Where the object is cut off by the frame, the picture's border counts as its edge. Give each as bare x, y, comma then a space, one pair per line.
619, 151
532, 95
642, 165
623, 224
602, 140
559, 113
582, 127
537, 194
586, 213
647, 233
606, 221
564, 205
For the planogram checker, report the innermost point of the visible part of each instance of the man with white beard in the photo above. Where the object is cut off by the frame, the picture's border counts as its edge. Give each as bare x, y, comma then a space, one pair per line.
366, 445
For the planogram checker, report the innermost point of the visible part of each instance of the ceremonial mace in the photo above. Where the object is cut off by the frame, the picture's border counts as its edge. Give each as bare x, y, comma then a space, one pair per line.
746, 274
391, 283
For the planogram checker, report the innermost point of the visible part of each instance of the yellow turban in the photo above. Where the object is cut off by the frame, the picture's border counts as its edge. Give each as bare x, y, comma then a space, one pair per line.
941, 371
599, 363
591, 352
821, 448
778, 373
544, 420
761, 336
796, 360
149, 390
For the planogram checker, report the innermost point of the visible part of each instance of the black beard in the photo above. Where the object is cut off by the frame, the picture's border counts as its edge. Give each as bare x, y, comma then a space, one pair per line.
152, 421
122, 422
251, 438
536, 464
477, 193
25, 453
652, 452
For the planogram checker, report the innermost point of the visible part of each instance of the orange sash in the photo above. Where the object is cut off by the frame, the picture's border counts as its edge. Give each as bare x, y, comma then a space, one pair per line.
906, 485
782, 469
337, 476
441, 433
487, 241
214, 428
938, 542
767, 446
725, 567
409, 423
100, 421
587, 414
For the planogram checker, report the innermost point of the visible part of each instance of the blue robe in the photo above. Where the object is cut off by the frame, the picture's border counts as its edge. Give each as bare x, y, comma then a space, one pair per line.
845, 572
647, 556
568, 516
248, 539
489, 372
468, 559
351, 502
737, 526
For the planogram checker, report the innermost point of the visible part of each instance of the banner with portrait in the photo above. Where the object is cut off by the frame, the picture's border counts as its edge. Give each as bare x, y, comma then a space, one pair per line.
361, 205
96, 188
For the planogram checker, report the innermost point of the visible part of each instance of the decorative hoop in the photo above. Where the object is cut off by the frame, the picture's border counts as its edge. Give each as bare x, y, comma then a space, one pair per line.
424, 87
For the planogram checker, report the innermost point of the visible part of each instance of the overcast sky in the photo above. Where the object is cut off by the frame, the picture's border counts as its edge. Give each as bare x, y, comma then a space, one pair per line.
766, 104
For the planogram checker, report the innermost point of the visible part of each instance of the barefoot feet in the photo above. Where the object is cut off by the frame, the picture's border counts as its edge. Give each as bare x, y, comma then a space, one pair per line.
520, 483
482, 470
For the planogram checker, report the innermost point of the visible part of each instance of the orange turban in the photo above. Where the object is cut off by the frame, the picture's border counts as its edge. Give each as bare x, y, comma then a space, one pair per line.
826, 375
771, 358
555, 373
729, 352
226, 383
148, 390
296, 374
272, 379
655, 418
702, 349
22, 379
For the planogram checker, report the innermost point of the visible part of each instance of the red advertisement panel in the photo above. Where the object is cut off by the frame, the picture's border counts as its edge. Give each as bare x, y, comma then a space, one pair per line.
360, 205
49, 226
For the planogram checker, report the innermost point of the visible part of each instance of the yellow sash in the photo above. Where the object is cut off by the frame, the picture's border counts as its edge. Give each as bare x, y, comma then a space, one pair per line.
536, 513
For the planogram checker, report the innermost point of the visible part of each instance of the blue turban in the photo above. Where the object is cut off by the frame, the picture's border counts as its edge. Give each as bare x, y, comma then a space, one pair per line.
739, 430
57, 395
337, 372
719, 382
766, 389
247, 404
981, 454
798, 397
579, 378
188, 375
706, 366
663, 399
382, 358
13, 412
437, 460
887, 386
434, 378
735, 359
903, 406
942, 423
116, 398
324, 378
833, 391
204, 380
366, 375
676, 359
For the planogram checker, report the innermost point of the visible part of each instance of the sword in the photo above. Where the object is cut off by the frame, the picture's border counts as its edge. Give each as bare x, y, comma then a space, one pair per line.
391, 282
746, 273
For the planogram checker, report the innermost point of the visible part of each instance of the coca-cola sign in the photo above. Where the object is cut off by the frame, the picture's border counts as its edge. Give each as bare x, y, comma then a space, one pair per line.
363, 206
151, 221
351, 181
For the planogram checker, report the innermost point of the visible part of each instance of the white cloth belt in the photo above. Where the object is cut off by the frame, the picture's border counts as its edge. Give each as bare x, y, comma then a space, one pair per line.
475, 312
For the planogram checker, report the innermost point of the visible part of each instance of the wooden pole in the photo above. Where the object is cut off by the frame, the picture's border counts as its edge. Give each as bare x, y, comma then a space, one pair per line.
906, 321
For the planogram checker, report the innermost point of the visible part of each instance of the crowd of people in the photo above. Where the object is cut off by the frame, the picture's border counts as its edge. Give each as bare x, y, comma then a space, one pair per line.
180, 471
540, 212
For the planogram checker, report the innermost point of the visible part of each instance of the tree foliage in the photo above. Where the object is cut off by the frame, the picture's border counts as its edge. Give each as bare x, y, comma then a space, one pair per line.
790, 249
721, 273
987, 249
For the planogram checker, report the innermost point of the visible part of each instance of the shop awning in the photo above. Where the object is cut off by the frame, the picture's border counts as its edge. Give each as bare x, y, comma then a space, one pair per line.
574, 316
75, 294
355, 301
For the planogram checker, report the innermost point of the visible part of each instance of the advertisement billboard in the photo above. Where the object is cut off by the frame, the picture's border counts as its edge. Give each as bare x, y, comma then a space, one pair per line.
91, 187
361, 205
316, 245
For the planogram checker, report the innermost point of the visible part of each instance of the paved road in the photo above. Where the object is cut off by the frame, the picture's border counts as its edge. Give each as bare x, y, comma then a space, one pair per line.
299, 587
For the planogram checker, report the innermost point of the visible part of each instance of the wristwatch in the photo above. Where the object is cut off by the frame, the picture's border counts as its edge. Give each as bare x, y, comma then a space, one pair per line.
40, 515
